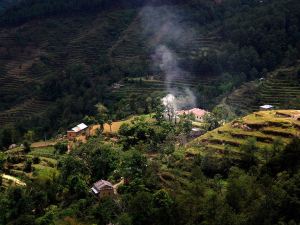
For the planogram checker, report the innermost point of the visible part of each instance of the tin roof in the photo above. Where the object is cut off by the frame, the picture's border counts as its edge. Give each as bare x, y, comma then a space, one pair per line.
196, 111
102, 184
79, 127
266, 106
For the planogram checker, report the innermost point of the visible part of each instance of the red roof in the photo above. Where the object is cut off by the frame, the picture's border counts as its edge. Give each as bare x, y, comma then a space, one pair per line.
196, 111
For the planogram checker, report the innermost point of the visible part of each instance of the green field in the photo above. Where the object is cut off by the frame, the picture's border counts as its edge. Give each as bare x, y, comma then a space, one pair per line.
45, 169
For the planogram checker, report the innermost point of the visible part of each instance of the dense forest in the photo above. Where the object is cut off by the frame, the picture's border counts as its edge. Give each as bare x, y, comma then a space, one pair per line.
253, 38
109, 64
166, 189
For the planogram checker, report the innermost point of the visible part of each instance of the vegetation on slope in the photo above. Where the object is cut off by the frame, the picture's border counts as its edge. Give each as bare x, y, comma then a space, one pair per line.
163, 186
265, 127
61, 61
280, 88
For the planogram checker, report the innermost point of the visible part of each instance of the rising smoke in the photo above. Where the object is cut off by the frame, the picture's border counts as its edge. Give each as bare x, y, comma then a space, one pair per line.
162, 26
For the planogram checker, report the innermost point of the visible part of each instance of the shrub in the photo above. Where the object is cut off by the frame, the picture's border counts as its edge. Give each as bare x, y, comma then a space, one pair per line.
36, 160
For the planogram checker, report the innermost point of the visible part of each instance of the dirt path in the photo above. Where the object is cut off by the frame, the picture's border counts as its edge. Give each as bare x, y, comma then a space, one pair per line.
14, 180
117, 185
42, 144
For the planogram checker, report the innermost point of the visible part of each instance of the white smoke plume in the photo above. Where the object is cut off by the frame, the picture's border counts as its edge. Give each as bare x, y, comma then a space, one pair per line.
162, 26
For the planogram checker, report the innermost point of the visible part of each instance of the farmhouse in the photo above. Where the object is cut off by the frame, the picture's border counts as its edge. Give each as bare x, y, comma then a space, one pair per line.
198, 113
266, 107
80, 129
102, 188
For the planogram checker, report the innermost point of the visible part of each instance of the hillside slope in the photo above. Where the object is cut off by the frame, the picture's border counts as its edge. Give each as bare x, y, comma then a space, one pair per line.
264, 126
280, 88
52, 60
6, 4
60, 59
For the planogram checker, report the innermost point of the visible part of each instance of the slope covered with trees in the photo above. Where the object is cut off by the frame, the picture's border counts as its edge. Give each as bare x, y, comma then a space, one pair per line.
164, 184
67, 55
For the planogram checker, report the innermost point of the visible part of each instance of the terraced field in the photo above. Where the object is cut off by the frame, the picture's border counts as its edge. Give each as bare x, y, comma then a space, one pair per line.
280, 88
44, 170
36, 51
264, 126
144, 86
244, 99
33, 52
23, 111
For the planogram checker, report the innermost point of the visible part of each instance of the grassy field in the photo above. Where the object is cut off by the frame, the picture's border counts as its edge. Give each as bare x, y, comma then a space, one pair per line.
264, 126
117, 124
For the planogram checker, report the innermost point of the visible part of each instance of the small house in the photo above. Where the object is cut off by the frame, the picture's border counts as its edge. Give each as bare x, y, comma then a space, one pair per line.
102, 188
198, 113
80, 129
266, 107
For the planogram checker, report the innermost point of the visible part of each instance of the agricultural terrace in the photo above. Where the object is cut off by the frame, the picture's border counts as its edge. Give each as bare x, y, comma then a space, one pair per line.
39, 164
115, 126
264, 126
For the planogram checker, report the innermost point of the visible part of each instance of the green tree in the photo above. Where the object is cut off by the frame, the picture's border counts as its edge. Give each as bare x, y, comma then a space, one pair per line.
28, 166
89, 120
124, 219
133, 165
141, 209
110, 122
210, 122
163, 208
249, 150
72, 165
106, 211
159, 112
29, 136
27, 146
61, 147
3, 159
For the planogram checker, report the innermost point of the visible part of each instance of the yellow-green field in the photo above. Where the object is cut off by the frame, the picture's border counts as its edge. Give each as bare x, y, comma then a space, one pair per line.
116, 125
45, 169
264, 126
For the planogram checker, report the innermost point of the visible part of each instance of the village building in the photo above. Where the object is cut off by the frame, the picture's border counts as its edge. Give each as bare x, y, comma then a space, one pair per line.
117, 85
80, 130
266, 107
102, 188
198, 113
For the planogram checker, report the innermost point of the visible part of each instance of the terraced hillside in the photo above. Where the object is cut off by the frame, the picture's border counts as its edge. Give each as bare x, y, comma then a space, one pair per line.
44, 164
264, 126
5, 4
37, 57
156, 84
35, 53
280, 88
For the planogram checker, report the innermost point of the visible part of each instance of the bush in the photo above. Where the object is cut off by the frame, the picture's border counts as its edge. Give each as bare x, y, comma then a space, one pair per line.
28, 166
27, 147
61, 147
36, 160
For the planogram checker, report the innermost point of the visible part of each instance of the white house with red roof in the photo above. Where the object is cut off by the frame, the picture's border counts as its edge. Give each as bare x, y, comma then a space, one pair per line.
198, 113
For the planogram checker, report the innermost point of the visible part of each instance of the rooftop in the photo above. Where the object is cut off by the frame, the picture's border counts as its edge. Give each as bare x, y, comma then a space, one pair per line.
195, 111
101, 184
79, 127
266, 106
